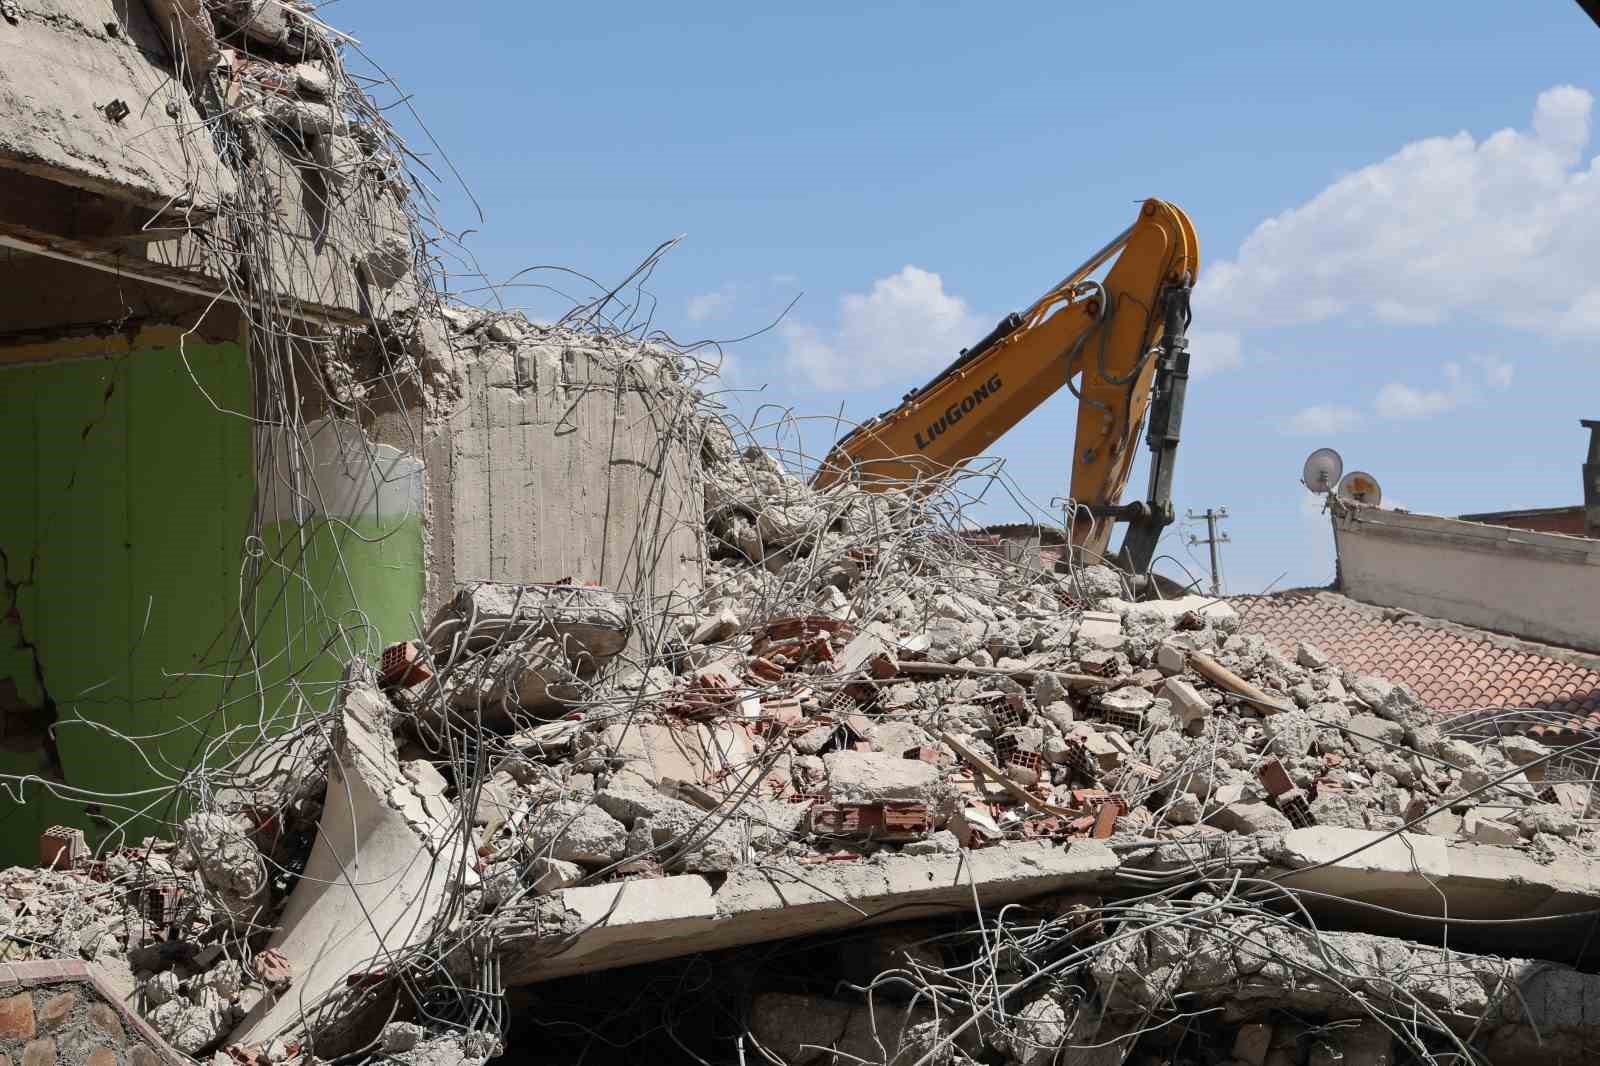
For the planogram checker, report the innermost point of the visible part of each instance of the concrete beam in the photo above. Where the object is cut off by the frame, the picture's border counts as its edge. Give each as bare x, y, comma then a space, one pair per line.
128, 261
1415, 878
1418, 878
602, 927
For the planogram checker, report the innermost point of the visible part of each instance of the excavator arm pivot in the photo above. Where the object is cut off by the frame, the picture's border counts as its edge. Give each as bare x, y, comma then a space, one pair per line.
1122, 339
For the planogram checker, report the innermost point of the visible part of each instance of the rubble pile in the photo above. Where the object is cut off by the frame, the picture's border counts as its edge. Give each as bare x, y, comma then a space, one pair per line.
858, 681
170, 926
860, 693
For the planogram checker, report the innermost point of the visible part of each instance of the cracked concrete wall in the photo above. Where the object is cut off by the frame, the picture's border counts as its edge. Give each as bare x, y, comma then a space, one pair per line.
564, 460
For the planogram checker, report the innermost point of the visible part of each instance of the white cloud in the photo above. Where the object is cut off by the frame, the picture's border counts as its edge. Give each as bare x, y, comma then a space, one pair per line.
905, 325
1503, 227
1462, 386
706, 304
1213, 351
1322, 419
1402, 401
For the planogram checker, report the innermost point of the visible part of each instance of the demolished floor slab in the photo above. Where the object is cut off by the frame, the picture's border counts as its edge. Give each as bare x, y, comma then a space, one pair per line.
607, 926
1408, 880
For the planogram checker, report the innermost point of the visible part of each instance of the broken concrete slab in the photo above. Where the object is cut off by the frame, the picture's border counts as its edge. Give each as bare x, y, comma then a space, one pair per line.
530, 675
63, 68
1370, 733
1290, 734
875, 644
1100, 629
1429, 876
1218, 613
1310, 656
1187, 704
371, 886
698, 753
574, 830
1249, 818
228, 862
591, 624
1257, 966
1394, 702
875, 777
1171, 659
265, 23
1491, 831
547, 875
606, 926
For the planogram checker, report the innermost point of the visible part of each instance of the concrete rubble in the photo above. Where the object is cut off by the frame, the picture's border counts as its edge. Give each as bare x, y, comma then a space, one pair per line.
856, 703
864, 790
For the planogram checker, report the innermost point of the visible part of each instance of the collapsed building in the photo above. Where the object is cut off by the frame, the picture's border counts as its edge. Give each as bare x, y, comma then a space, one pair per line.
874, 793
460, 687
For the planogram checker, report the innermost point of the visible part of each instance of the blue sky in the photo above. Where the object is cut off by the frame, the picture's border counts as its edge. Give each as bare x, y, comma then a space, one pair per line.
1399, 226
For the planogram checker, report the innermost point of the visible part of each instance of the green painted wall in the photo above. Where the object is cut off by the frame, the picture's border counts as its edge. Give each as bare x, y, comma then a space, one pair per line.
136, 495
342, 589
130, 499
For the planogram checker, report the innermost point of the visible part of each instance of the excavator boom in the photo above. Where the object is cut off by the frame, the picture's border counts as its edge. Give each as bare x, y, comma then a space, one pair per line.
1122, 339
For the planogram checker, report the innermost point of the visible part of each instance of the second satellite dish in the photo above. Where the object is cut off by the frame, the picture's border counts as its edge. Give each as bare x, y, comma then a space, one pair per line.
1322, 471
1362, 487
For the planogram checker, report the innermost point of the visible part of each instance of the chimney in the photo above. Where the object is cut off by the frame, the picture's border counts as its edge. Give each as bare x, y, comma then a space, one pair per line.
1591, 479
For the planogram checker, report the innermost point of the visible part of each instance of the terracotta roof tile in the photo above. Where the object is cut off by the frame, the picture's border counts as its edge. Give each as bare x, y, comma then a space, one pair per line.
1451, 671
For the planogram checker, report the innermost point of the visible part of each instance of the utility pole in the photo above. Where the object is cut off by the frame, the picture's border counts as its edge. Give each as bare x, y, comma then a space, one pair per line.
1213, 538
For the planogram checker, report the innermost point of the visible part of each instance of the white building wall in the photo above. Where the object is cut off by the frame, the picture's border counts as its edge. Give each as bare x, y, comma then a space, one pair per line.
1540, 586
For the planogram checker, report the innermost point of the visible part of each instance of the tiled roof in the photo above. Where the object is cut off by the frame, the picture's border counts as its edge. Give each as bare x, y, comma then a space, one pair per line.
1452, 670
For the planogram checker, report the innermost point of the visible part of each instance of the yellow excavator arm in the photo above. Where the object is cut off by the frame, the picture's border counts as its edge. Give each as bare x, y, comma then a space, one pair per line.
1124, 341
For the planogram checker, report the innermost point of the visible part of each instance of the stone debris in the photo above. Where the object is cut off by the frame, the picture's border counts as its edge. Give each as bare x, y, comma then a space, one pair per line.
834, 700
157, 921
849, 689
843, 693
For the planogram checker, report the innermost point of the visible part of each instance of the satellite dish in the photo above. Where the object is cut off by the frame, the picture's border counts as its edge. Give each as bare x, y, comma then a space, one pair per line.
1322, 471
1362, 487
